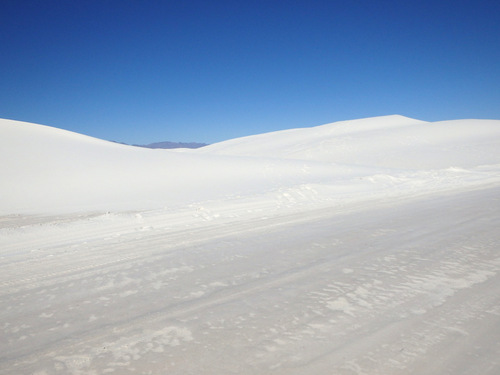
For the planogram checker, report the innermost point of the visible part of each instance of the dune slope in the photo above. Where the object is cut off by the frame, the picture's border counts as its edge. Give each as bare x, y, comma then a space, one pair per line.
47, 170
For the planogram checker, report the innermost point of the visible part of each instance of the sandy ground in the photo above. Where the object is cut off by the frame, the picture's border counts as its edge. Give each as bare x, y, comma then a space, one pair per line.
408, 286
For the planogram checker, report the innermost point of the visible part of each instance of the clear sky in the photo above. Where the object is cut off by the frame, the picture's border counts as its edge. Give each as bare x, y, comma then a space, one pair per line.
140, 71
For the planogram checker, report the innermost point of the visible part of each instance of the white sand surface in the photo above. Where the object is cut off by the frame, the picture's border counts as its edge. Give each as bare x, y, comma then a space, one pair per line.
362, 247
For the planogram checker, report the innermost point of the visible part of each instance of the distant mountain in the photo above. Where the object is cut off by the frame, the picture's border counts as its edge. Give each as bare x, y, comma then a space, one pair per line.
167, 145
173, 145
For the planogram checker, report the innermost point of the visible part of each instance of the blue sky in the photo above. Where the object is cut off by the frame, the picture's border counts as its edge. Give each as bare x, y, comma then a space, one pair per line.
144, 71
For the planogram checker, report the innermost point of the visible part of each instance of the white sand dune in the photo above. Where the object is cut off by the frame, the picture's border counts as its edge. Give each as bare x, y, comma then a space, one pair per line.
388, 142
47, 170
50, 170
359, 247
